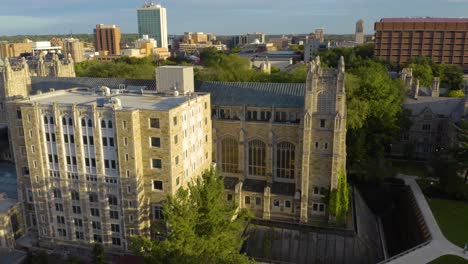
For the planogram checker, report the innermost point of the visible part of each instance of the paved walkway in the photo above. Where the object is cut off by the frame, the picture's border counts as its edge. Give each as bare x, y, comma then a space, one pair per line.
439, 245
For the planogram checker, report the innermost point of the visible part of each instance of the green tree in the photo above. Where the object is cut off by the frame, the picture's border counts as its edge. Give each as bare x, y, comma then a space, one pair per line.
461, 150
456, 93
98, 254
339, 198
203, 227
451, 76
422, 72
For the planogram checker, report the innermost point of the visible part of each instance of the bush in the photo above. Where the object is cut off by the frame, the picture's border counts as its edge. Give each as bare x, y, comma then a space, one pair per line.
456, 93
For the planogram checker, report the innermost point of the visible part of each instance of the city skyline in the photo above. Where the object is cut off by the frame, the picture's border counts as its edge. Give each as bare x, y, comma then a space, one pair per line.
27, 17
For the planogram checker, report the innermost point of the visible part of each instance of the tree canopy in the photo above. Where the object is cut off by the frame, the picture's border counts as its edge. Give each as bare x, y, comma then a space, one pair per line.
203, 227
424, 69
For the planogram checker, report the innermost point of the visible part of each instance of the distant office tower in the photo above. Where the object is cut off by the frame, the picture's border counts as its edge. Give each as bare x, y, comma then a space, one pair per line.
444, 40
74, 47
251, 37
319, 34
359, 32
107, 38
152, 22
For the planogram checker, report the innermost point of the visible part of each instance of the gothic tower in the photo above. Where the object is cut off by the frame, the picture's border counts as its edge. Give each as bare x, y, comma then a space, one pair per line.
324, 133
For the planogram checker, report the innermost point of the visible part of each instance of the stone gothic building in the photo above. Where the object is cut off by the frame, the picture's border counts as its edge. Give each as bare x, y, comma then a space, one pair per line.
280, 145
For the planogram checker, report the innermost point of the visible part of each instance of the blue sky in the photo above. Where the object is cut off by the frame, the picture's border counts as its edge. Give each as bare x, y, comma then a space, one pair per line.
222, 17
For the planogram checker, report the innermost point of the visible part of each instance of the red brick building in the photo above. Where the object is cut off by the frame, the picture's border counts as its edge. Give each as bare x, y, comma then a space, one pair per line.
444, 40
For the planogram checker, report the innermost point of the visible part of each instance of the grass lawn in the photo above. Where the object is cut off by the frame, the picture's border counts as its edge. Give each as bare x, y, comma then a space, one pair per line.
449, 259
452, 217
410, 168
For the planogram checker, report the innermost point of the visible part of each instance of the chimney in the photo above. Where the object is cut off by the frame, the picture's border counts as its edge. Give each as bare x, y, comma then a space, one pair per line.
416, 89
435, 87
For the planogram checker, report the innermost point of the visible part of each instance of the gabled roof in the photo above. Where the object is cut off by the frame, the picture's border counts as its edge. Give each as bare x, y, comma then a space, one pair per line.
442, 106
282, 95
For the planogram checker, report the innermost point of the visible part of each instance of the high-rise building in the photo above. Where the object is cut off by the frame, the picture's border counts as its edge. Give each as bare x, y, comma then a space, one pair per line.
107, 38
95, 164
252, 37
74, 47
444, 40
359, 35
319, 34
152, 21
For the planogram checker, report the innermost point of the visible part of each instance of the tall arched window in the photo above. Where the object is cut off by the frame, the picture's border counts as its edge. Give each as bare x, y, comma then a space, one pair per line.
229, 155
90, 123
103, 123
257, 158
83, 122
109, 124
285, 159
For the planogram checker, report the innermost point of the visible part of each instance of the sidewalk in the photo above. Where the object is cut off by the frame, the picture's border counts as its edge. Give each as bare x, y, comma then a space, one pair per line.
439, 245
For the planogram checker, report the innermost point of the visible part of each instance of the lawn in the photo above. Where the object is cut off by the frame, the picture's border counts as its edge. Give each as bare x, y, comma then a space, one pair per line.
410, 168
452, 217
449, 259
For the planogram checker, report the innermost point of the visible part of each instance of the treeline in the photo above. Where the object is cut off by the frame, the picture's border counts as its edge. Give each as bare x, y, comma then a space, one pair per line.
126, 38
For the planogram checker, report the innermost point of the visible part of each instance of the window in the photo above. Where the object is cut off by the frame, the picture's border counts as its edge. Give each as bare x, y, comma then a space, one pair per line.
116, 241
70, 121
91, 140
78, 222
176, 139
104, 141
19, 115
59, 207
325, 102
109, 124
90, 123
112, 200
426, 127
60, 219
72, 139
93, 198
276, 203
155, 142
47, 136
96, 225
158, 212
124, 124
257, 158
316, 145
258, 201
287, 204
85, 140
95, 212
114, 214
115, 228
83, 122
156, 163
229, 155
62, 232
322, 123
157, 185
130, 218
229, 197
154, 122
285, 160
111, 141
247, 200
103, 123
76, 209
97, 238
79, 235
177, 160
57, 193
175, 120
325, 146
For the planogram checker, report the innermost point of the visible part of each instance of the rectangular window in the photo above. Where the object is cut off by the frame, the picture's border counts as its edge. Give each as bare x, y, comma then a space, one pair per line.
154, 122
111, 142
95, 212
79, 235
258, 201
116, 241
72, 139
426, 127
76, 209
176, 139
91, 140
53, 136
78, 222
85, 140
175, 120
156, 163
158, 212
157, 185
47, 136
104, 141
155, 142
125, 141
114, 214
96, 225
322, 123
97, 238
115, 228
18, 114
65, 138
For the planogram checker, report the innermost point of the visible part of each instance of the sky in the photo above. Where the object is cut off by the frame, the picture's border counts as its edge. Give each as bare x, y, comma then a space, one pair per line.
222, 17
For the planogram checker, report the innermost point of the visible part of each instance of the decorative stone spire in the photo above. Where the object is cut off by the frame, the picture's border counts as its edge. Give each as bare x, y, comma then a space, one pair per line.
435, 87
341, 65
416, 89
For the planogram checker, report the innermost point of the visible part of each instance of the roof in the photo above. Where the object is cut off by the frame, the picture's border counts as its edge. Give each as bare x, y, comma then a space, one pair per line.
282, 95
425, 19
86, 97
59, 83
8, 183
283, 188
257, 186
444, 106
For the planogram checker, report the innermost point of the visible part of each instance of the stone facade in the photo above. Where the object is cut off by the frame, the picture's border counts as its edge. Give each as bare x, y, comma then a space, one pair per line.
278, 161
96, 166
11, 222
55, 67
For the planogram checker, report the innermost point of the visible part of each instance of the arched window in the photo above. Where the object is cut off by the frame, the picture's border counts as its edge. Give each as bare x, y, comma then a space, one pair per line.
285, 159
83, 122
75, 196
70, 121
103, 123
257, 158
51, 120
112, 199
325, 102
109, 124
64, 121
90, 123
229, 155
57, 193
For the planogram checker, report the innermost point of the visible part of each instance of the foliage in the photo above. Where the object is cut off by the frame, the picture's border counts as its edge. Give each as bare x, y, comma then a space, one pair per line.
40, 257
451, 76
126, 38
456, 93
98, 254
352, 56
203, 227
449, 259
339, 197
461, 151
